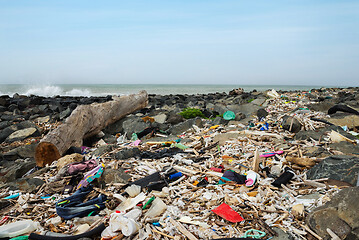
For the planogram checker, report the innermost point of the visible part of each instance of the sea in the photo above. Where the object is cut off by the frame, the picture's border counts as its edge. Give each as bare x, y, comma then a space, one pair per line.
48, 90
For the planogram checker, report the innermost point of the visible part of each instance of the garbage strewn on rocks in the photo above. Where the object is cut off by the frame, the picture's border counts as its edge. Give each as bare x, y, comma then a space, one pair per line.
264, 165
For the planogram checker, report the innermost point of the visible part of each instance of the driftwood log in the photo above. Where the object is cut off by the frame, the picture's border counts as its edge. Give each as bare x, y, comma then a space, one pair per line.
86, 121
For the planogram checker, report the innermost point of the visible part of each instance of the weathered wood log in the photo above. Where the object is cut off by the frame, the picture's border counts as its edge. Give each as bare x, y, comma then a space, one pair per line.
86, 121
305, 162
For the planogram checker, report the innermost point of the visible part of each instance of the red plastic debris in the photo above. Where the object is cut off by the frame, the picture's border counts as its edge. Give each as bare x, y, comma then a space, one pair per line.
3, 220
226, 212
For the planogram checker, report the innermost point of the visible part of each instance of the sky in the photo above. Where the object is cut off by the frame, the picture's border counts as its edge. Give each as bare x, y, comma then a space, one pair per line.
289, 42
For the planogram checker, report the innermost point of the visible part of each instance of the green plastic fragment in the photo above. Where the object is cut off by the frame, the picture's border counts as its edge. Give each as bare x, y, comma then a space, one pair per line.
148, 203
134, 137
180, 146
229, 115
20, 238
256, 234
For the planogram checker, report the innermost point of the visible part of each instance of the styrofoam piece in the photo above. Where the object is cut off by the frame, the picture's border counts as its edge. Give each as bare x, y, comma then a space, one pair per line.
133, 190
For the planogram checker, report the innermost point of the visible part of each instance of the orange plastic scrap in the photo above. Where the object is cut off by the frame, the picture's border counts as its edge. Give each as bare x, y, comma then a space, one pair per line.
214, 127
147, 118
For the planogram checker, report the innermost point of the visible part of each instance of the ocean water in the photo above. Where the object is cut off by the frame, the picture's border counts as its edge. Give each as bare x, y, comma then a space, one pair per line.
125, 89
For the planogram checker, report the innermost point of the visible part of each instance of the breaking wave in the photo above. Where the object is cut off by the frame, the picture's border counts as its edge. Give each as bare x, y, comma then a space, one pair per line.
48, 91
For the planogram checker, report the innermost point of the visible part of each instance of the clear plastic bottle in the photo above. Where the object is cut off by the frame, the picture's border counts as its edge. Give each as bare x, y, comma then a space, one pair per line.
18, 228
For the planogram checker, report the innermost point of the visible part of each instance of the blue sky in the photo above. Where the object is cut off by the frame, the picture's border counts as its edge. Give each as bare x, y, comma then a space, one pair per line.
212, 42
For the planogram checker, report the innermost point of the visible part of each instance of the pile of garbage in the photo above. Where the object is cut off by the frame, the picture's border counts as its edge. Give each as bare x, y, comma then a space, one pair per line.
273, 174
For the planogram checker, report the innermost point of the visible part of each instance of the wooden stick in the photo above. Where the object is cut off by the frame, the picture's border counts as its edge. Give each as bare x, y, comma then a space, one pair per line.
163, 234
332, 234
289, 190
177, 181
310, 231
314, 184
255, 165
183, 230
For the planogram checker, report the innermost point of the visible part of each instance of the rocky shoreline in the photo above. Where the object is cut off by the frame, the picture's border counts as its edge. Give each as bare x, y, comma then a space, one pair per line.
302, 119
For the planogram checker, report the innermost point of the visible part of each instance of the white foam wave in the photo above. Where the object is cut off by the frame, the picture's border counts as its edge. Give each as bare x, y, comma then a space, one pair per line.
78, 92
50, 91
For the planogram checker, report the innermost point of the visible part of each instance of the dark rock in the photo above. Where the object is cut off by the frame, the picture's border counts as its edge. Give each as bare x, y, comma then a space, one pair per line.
184, 126
26, 151
65, 114
54, 108
102, 149
134, 125
109, 139
2, 108
22, 134
28, 184
262, 113
26, 124
219, 121
221, 108
72, 106
7, 117
16, 170
319, 133
16, 96
317, 152
23, 103
237, 91
322, 219
174, 118
6, 132
4, 124
240, 116
307, 135
320, 107
340, 214
114, 176
291, 124
12, 107
344, 119
248, 109
342, 108
281, 235
43, 108
345, 147
127, 153
36, 100
337, 167
4, 101
115, 127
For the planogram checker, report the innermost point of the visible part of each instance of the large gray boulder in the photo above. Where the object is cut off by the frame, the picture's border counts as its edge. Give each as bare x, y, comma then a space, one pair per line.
248, 109
291, 124
340, 214
338, 167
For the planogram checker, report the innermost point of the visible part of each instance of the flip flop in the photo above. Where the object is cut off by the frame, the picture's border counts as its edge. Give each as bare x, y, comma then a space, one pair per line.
251, 178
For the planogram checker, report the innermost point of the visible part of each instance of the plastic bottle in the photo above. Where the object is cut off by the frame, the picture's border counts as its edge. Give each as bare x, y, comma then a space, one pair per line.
157, 207
126, 223
18, 228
